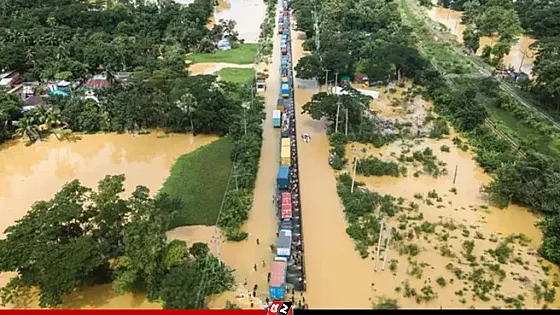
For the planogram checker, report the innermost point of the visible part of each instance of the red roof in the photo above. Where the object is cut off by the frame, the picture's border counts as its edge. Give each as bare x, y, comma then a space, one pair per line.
277, 273
286, 198
286, 211
97, 83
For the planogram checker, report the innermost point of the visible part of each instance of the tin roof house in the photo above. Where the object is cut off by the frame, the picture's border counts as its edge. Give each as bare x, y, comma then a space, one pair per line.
224, 44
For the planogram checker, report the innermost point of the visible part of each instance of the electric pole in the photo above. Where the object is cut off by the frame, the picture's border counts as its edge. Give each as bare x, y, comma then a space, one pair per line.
327, 80
354, 173
337, 113
346, 129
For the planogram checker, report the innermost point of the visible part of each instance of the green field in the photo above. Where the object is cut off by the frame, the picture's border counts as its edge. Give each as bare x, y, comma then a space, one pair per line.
199, 179
242, 54
237, 75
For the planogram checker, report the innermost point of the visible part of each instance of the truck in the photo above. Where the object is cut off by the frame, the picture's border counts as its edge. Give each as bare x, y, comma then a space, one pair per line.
284, 244
286, 225
280, 104
283, 178
286, 213
285, 90
284, 62
276, 118
277, 283
285, 32
284, 48
285, 156
285, 142
284, 37
284, 75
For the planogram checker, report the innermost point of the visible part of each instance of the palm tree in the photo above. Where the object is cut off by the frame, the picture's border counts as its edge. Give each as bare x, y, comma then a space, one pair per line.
28, 127
187, 103
52, 117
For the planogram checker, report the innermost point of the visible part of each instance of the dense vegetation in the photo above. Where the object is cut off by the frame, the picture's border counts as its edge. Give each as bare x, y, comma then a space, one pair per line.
75, 39
82, 237
507, 19
199, 179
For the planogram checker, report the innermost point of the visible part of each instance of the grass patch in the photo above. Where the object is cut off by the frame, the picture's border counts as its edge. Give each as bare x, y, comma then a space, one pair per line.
199, 180
243, 54
237, 75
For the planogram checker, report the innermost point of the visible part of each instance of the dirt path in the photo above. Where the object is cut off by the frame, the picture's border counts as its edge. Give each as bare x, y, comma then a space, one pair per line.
336, 276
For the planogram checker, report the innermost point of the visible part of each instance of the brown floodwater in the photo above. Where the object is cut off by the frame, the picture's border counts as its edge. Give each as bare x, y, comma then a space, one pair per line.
32, 173
338, 278
262, 223
211, 68
452, 20
336, 275
248, 14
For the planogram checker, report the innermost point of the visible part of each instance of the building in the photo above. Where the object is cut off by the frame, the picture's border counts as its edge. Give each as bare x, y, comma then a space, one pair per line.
10, 80
98, 81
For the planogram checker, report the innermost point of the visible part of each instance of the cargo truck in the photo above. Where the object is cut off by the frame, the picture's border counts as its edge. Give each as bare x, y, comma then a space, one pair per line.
285, 90
277, 283
285, 143
280, 104
284, 62
285, 156
284, 48
283, 178
284, 244
276, 118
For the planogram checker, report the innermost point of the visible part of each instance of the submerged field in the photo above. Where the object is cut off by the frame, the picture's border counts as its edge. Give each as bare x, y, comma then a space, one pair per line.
449, 247
199, 179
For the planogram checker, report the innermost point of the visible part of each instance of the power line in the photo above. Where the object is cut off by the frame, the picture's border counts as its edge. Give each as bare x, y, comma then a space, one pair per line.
203, 282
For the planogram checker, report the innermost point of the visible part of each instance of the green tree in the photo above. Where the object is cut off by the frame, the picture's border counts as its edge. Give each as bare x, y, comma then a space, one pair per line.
27, 127
471, 38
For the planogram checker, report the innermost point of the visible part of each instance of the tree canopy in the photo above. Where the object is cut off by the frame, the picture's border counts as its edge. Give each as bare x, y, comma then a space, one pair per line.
365, 36
82, 236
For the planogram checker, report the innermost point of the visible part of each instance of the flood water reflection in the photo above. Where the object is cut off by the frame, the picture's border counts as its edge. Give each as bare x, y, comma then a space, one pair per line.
248, 14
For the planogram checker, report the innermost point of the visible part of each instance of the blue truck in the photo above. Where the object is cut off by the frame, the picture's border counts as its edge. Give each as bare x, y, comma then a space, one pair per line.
283, 178
285, 90
284, 63
277, 283
276, 118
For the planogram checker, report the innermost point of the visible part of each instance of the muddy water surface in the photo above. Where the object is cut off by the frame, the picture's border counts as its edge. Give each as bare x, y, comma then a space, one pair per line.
262, 223
452, 20
211, 68
336, 276
248, 14
32, 173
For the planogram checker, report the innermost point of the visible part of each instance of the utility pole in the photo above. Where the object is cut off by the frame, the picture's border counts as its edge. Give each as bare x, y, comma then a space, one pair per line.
336, 79
379, 245
327, 80
354, 173
455, 176
346, 128
386, 248
337, 112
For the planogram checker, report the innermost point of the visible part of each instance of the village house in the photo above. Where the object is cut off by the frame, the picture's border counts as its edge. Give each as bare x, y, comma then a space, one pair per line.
10, 80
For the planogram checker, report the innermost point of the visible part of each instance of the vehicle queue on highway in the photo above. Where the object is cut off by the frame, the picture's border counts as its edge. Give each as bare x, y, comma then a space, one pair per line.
288, 269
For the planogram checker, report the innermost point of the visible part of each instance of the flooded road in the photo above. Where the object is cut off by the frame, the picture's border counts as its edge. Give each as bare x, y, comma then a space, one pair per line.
262, 223
520, 54
248, 14
336, 275
32, 173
